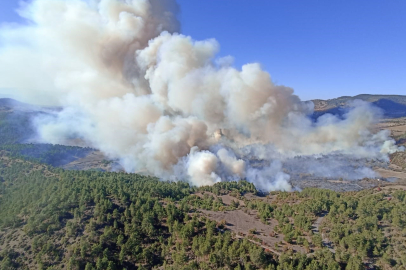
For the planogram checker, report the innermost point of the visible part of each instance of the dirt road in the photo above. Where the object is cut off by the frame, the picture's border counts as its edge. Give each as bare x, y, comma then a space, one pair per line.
316, 225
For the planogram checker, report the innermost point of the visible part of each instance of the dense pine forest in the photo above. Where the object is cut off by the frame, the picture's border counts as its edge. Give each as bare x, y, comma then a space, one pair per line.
56, 219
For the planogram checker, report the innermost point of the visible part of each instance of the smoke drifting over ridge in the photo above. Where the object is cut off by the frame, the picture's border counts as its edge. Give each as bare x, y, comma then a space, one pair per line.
161, 102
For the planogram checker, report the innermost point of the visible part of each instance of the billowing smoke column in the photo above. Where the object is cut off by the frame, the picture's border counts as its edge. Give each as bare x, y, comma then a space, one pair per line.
161, 102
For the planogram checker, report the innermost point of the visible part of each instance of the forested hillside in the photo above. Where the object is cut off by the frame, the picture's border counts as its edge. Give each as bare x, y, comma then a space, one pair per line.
56, 219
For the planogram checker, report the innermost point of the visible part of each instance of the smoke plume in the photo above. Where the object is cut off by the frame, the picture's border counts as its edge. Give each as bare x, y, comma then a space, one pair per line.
163, 103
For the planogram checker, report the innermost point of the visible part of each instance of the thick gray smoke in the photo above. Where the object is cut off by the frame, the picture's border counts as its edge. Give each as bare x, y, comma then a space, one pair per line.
161, 102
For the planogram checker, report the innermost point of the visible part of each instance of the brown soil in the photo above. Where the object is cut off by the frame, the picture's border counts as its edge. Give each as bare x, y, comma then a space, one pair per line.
227, 199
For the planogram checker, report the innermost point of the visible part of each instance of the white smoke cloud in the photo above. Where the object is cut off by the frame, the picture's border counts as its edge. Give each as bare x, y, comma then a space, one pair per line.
201, 167
270, 178
232, 165
162, 102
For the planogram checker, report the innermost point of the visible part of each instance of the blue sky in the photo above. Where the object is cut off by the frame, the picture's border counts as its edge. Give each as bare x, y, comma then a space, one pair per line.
322, 49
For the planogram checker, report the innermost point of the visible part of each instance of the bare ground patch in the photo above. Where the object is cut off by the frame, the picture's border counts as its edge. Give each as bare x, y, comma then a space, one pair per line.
241, 223
391, 173
94, 160
227, 199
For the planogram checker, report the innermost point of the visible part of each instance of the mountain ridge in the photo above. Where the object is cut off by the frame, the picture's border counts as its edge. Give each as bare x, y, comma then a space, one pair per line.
393, 106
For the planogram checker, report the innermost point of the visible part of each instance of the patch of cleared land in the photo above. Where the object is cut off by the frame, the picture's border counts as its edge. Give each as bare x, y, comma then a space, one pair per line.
241, 223
387, 173
94, 160
335, 184
396, 126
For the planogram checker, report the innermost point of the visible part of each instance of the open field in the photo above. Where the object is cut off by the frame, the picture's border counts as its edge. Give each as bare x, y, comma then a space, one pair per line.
397, 126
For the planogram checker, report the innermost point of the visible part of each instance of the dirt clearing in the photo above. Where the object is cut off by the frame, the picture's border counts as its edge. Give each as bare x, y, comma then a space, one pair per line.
239, 222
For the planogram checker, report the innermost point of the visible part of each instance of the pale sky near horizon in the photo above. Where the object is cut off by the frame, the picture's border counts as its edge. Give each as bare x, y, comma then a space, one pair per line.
322, 49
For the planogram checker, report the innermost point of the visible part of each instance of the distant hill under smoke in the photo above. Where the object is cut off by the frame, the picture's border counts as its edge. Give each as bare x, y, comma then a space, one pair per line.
392, 105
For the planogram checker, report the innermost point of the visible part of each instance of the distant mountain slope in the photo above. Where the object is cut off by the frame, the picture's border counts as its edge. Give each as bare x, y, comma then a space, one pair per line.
392, 105
11, 104
16, 121
17, 132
